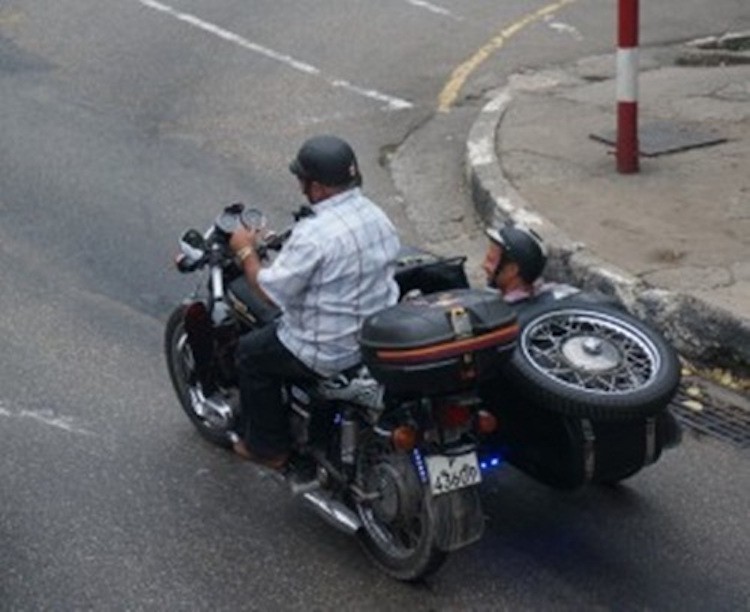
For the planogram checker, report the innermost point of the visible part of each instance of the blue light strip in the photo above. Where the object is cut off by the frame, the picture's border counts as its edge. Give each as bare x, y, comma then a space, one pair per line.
490, 462
419, 463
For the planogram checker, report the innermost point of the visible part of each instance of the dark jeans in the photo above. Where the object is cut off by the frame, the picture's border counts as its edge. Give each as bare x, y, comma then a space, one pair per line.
263, 363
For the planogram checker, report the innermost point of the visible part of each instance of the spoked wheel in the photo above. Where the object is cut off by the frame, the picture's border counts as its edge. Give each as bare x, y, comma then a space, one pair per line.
593, 361
213, 420
398, 528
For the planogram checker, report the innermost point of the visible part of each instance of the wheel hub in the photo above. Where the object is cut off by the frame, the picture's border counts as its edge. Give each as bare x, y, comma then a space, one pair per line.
398, 490
386, 481
591, 354
214, 410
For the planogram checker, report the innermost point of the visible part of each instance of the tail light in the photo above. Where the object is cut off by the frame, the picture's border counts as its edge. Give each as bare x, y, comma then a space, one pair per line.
453, 416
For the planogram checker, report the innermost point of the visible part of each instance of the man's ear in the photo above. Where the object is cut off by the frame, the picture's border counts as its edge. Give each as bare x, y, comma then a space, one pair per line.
317, 191
513, 268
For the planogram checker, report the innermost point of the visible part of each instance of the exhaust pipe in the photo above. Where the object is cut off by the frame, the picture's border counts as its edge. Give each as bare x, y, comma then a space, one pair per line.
334, 512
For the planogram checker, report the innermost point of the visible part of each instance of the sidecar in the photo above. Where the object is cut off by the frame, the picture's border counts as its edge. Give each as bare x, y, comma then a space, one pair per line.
585, 396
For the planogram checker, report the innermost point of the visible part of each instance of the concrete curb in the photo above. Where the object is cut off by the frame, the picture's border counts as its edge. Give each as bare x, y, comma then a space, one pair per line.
699, 330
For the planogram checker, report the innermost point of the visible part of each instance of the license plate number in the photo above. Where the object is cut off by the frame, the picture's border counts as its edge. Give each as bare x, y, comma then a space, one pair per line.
450, 473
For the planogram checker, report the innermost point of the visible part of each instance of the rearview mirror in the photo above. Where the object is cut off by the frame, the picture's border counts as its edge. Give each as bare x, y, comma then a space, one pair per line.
193, 246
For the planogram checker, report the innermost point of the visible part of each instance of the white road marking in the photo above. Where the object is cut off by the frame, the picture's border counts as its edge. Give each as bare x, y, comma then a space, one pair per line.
48, 418
433, 8
391, 102
564, 28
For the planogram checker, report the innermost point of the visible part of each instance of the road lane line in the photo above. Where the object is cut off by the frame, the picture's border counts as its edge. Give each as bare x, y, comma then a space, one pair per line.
46, 417
458, 77
65, 423
563, 28
433, 8
391, 102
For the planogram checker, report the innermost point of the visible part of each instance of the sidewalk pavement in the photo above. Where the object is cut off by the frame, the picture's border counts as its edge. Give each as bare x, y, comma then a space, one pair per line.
672, 242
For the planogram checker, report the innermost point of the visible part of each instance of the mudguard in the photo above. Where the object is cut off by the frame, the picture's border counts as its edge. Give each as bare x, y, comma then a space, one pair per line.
458, 518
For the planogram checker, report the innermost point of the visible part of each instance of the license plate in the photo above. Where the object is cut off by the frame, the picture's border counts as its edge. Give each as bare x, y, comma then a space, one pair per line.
450, 473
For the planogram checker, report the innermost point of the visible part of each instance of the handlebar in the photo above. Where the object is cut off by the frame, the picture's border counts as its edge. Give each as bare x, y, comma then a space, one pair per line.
198, 250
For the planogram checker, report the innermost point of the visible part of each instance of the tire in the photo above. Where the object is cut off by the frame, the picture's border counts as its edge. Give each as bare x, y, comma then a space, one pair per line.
613, 483
182, 374
591, 360
398, 530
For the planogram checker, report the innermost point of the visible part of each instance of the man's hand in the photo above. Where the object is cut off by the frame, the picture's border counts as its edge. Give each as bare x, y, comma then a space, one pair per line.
241, 238
242, 243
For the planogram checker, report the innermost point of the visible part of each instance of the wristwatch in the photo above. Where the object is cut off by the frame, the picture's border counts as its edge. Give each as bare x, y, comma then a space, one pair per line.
244, 253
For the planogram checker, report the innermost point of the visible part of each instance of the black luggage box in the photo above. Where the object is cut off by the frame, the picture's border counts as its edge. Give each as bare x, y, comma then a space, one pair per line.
567, 452
439, 343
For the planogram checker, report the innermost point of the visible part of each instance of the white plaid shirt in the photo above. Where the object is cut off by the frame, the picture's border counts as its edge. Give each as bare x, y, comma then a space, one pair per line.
336, 269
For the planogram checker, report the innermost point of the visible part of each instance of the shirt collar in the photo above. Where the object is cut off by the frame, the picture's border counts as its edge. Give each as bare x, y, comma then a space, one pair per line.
523, 293
516, 295
335, 200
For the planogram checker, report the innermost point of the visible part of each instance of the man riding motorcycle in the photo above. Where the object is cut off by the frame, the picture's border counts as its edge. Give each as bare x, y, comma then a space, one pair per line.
335, 270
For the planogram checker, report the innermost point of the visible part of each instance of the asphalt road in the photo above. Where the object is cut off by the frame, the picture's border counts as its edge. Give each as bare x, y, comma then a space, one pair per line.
124, 122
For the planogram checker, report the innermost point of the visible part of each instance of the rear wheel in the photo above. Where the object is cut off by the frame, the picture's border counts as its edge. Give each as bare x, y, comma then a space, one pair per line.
398, 531
214, 423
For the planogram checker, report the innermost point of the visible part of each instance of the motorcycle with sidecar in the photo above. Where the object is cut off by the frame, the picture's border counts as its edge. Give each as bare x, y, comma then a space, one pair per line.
453, 383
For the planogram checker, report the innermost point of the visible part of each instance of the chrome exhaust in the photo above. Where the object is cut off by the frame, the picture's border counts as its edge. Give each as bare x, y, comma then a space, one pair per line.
334, 512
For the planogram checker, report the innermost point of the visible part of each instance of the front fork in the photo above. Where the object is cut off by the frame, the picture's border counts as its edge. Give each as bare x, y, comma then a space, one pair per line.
200, 337
210, 330
220, 310
213, 347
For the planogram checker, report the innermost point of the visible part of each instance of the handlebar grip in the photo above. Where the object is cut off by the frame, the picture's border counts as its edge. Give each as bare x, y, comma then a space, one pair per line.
276, 241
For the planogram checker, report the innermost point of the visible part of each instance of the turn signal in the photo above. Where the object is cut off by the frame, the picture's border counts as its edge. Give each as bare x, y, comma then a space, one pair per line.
180, 262
486, 422
404, 438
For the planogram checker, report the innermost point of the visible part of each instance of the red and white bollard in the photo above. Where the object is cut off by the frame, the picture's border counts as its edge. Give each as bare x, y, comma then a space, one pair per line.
627, 87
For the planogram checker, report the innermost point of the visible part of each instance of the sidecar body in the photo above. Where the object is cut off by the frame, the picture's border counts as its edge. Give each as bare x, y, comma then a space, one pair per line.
585, 396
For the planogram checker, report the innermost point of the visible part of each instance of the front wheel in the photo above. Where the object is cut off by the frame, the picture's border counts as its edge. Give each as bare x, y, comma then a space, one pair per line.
398, 528
212, 424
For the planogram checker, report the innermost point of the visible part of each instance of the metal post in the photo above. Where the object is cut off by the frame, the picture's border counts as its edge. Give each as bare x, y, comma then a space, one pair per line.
627, 87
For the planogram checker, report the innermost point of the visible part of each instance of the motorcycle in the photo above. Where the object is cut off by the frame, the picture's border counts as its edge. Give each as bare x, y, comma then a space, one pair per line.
390, 451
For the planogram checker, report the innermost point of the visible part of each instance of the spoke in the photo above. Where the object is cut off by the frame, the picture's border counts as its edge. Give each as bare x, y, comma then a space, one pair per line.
636, 361
549, 353
635, 379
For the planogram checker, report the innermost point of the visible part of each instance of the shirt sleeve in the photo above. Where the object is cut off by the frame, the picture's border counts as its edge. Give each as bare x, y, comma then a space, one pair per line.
288, 277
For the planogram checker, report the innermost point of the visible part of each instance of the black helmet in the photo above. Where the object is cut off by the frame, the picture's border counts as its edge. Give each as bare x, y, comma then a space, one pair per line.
328, 160
523, 246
